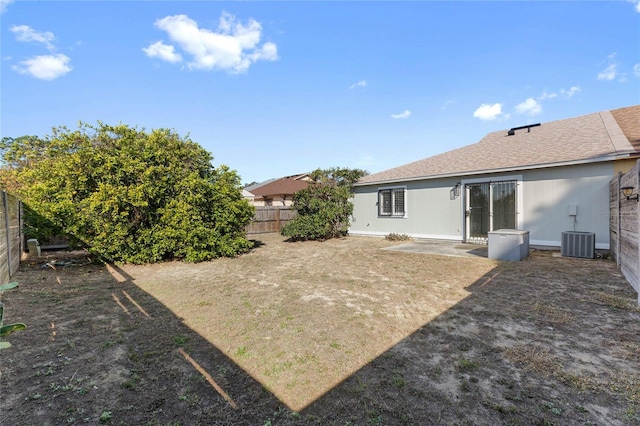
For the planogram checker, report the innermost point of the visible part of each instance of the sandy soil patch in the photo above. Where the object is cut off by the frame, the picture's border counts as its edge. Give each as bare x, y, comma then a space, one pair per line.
338, 332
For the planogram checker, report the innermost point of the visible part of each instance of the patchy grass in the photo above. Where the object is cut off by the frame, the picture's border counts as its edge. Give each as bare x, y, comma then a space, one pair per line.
338, 332
551, 313
397, 237
536, 359
465, 365
617, 301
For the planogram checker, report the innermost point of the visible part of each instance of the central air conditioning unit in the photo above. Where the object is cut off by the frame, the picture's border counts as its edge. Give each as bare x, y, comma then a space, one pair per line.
578, 244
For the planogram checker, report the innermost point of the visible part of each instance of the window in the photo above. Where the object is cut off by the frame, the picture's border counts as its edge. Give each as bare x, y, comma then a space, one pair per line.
391, 202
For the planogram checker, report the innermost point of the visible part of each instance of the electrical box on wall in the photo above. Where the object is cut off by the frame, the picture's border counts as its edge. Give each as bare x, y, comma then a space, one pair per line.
573, 210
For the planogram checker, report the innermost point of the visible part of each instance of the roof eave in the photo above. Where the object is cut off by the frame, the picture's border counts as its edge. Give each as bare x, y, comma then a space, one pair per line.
614, 157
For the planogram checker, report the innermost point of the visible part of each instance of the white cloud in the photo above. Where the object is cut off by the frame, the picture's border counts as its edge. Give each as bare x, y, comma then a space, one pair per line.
564, 92
233, 47
26, 33
404, 114
488, 112
636, 70
530, 107
533, 106
162, 51
572, 91
611, 71
4, 4
546, 95
447, 104
45, 67
636, 3
361, 83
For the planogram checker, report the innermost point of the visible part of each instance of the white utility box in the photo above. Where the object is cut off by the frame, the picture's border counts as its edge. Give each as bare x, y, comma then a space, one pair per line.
508, 244
34, 247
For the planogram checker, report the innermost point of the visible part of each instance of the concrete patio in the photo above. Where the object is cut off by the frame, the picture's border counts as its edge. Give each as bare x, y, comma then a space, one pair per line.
442, 247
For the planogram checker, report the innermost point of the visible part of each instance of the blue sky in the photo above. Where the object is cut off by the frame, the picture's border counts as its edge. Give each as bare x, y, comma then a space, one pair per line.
278, 88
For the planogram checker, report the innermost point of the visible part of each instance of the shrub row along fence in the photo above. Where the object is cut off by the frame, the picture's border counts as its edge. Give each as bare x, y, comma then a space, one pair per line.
270, 219
10, 236
624, 226
266, 220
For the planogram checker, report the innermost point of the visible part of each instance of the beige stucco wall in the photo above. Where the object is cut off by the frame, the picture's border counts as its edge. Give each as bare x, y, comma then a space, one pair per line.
275, 202
545, 197
623, 166
430, 211
548, 193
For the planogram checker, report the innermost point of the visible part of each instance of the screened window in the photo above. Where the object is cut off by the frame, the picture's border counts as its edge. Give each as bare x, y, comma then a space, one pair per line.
391, 202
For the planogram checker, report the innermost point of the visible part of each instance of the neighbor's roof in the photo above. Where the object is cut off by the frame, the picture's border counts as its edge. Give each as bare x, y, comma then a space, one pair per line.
283, 186
594, 137
258, 185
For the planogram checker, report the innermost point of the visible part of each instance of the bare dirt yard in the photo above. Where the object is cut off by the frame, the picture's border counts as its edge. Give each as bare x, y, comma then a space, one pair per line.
337, 332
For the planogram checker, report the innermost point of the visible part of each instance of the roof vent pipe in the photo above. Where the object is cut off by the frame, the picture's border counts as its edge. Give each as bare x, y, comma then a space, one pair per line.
512, 131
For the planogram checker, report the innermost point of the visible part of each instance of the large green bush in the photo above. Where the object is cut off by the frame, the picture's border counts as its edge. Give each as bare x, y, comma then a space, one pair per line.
324, 206
130, 195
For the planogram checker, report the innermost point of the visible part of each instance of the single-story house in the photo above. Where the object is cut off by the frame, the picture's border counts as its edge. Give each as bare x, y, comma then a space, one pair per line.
543, 178
248, 196
278, 192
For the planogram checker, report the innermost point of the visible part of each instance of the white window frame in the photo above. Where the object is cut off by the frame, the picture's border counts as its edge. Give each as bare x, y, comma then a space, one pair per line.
393, 214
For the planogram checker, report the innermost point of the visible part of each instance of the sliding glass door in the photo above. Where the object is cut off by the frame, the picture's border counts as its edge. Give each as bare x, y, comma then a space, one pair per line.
489, 206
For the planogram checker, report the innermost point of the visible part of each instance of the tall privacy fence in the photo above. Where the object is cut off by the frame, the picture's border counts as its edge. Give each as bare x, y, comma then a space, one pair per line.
10, 236
624, 226
270, 219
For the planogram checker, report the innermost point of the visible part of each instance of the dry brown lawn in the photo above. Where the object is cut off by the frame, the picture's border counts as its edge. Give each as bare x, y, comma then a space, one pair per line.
335, 332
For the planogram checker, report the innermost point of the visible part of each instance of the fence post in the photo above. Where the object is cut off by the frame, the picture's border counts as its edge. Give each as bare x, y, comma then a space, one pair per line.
619, 220
278, 220
5, 205
21, 226
636, 181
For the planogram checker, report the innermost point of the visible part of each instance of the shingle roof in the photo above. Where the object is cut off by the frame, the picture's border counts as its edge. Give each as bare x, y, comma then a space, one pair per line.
284, 186
629, 121
586, 138
258, 185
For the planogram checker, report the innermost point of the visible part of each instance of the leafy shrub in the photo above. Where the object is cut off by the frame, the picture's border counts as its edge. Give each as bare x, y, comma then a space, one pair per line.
5, 330
397, 237
129, 195
44, 230
324, 206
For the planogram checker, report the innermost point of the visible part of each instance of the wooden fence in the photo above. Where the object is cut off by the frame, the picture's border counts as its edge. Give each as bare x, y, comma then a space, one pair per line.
10, 236
624, 226
270, 219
